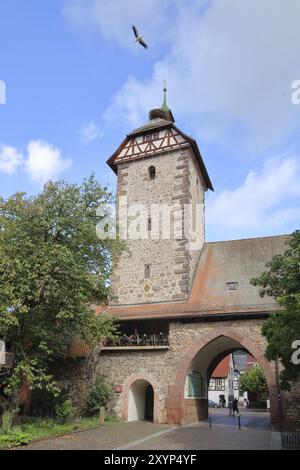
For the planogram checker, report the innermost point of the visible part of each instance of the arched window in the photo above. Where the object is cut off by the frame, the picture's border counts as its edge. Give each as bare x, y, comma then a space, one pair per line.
152, 173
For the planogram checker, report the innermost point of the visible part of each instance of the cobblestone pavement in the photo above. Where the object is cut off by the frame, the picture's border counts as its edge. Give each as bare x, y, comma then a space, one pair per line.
198, 437
106, 438
224, 434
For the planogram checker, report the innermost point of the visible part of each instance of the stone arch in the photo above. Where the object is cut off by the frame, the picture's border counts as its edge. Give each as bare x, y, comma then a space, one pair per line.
175, 401
130, 381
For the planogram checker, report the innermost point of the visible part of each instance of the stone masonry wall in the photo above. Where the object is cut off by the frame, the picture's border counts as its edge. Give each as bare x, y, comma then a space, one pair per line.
117, 367
171, 262
291, 407
197, 229
78, 375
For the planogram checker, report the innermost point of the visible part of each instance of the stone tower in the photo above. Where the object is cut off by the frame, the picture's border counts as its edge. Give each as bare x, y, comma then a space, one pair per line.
161, 188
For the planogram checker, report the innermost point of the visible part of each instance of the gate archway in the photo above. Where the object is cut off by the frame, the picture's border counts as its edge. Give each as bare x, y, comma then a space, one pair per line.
140, 399
206, 353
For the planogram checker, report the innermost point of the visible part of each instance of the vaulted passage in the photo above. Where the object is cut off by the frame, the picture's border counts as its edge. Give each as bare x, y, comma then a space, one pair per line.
196, 394
188, 398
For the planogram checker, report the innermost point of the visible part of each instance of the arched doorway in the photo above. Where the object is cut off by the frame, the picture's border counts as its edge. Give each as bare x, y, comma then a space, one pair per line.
141, 399
200, 361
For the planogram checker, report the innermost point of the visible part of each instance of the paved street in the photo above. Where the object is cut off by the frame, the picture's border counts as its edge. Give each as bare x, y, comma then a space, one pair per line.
249, 419
224, 434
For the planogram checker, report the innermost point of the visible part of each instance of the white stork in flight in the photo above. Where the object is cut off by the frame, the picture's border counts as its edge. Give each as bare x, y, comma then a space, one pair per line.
139, 37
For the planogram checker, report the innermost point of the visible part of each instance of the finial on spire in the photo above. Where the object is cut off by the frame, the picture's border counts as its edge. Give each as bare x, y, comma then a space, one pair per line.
165, 105
164, 112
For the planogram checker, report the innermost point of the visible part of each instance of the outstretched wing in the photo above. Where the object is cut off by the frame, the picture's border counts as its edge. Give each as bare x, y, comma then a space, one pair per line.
142, 43
136, 33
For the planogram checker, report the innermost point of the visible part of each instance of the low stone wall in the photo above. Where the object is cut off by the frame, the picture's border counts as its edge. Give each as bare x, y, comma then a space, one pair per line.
195, 410
291, 407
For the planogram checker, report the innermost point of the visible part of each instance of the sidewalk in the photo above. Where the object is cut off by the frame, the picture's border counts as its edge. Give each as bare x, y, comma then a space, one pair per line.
108, 437
202, 437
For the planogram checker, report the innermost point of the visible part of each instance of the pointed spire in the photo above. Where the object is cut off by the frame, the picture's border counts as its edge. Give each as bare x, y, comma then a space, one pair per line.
164, 112
165, 105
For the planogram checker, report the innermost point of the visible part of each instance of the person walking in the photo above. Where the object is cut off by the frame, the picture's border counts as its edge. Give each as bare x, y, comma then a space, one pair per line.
230, 406
235, 407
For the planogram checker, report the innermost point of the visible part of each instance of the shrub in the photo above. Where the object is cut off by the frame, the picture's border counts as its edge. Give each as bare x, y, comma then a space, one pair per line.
64, 412
7, 421
98, 397
14, 439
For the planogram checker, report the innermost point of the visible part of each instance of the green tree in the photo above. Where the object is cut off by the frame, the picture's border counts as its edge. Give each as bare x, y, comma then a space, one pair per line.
282, 281
253, 380
52, 268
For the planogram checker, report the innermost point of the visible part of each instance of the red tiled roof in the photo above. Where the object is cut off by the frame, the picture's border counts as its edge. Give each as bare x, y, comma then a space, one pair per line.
222, 369
220, 263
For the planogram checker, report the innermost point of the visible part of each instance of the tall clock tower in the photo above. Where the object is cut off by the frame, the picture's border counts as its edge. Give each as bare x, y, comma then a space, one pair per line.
161, 188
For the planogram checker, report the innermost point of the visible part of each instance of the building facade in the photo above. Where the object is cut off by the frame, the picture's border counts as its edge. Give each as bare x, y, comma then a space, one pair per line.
184, 304
221, 384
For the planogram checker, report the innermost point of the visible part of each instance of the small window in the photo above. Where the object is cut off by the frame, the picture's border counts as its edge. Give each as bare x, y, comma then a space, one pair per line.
147, 271
220, 385
152, 172
149, 137
232, 286
149, 224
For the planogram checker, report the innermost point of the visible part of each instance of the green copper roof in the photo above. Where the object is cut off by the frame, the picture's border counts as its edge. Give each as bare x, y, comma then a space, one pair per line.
165, 105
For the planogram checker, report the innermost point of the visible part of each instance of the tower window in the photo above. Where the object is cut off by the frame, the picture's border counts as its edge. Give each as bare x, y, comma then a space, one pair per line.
152, 173
147, 271
149, 137
232, 286
149, 224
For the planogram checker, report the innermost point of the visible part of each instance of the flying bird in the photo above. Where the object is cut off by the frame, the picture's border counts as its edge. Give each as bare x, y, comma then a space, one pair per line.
139, 37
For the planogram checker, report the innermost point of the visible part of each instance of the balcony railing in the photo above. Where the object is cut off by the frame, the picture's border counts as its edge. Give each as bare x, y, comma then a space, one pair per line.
154, 340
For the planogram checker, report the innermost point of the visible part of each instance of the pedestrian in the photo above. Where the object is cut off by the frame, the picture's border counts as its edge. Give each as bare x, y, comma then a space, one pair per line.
230, 406
235, 407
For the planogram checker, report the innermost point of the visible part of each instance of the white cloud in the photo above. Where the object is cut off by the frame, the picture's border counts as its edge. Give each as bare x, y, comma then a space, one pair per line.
90, 132
113, 18
264, 203
229, 64
10, 159
45, 161
2, 92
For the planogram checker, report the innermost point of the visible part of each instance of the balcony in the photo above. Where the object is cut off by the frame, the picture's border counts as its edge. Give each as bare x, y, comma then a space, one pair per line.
146, 342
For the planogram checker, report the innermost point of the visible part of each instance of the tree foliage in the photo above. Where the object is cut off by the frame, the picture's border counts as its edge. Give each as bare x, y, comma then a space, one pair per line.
52, 268
282, 281
253, 380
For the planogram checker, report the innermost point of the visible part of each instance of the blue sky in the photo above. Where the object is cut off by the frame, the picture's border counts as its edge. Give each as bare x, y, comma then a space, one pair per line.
76, 84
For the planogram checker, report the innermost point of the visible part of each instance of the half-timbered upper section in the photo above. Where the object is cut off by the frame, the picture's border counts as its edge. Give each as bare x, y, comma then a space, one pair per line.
156, 137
